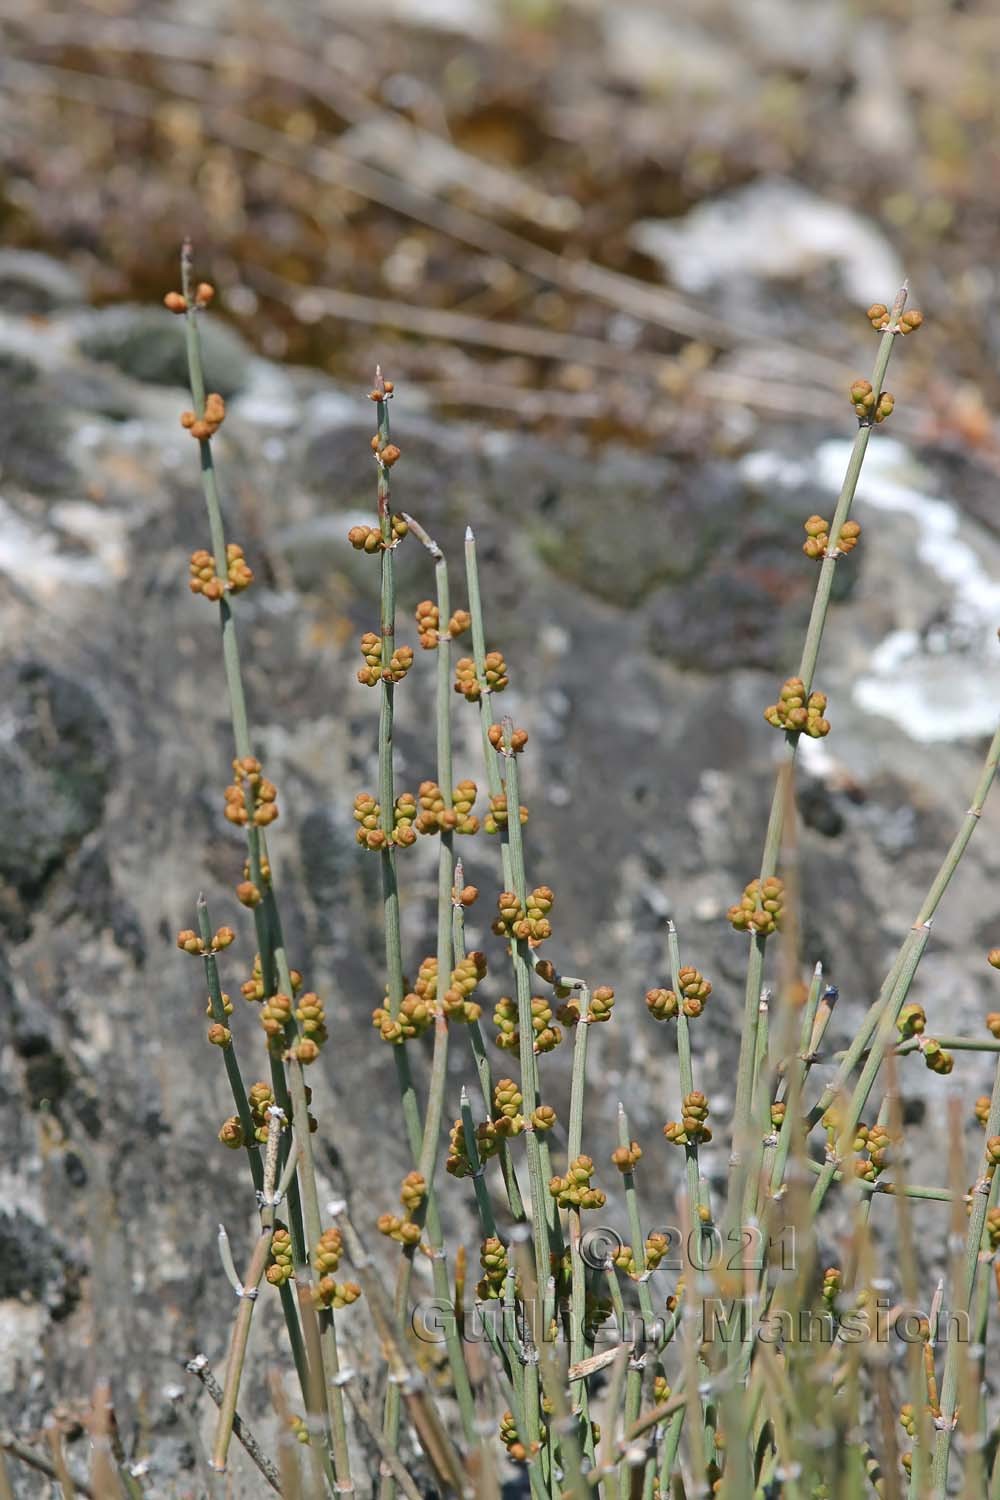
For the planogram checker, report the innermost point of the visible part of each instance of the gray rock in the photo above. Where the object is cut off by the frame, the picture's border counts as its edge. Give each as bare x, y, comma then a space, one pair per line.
34, 283
56, 762
148, 344
772, 229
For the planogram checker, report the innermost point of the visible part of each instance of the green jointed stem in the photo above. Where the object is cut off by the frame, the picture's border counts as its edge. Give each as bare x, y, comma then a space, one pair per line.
486, 719
274, 966
807, 668
951, 1043
483, 1070
885, 1189
422, 1142
866, 1082
930, 905
907, 962
796, 1073
962, 1299
529, 1066
483, 1203
684, 1068
248, 1297
229, 1053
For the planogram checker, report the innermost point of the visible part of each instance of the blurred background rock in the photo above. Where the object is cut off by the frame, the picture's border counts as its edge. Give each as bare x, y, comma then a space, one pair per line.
615, 259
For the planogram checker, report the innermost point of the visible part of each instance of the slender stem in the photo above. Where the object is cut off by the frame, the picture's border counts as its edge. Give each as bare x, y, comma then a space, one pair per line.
229, 1052
685, 1068
635, 1227
927, 911
484, 1072
486, 719
274, 964
526, 1053
35, 1460
796, 1073
886, 1189
483, 1203
952, 1043
870, 1072
248, 1298
403, 1376
962, 1302
200, 1367
424, 1135
807, 668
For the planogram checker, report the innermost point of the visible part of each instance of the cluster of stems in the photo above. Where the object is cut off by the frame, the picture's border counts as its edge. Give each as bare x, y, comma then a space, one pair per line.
596, 1371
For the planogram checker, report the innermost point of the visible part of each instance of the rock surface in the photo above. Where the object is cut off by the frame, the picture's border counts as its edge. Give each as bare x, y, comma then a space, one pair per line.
648, 611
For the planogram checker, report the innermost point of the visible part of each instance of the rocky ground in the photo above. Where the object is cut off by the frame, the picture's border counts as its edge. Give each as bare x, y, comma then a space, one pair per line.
648, 610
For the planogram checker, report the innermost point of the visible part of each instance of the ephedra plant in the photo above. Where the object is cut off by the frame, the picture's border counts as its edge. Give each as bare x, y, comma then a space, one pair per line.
591, 1374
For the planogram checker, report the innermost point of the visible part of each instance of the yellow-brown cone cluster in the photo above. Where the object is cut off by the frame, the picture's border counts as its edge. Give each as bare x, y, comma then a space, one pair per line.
231, 1133
760, 908
189, 942
869, 407
253, 988
665, 1005
368, 814
227, 1005
428, 618
516, 1450
386, 453
494, 670
263, 795
505, 1122
935, 1056
369, 538
878, 1148
796, 712
626, 1158
205, 581
465, 977
530, 922
496, 818
518, 739
275, 1016
656, 1247
435, 817
211, 419
260, 1097
691, 1130
911, 1021
405, 1231
546, 1034
280, 1267
176, 302
311, 1018
575, 1190
373, 671
326, 1257
414, 1017
493, 1259
817, 543
879, 317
